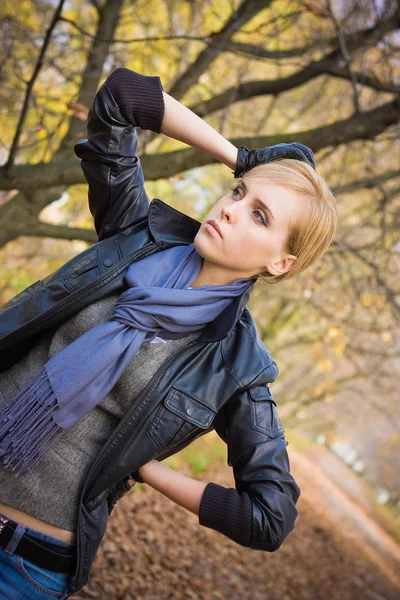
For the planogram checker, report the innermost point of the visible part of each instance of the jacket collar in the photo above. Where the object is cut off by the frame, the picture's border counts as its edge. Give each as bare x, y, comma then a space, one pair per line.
170, 227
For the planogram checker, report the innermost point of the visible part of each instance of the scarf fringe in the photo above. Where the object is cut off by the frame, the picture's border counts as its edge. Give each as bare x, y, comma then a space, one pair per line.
27, 429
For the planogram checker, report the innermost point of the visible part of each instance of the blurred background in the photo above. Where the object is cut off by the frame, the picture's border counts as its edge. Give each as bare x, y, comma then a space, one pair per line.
326, 74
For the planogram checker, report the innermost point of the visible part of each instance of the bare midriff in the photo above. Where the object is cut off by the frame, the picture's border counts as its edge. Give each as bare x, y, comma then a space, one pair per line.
38, 524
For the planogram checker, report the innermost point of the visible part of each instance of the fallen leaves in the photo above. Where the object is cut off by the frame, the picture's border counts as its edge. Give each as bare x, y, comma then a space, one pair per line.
156, 550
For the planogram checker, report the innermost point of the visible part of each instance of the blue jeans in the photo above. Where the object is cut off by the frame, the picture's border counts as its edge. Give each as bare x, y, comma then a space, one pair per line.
20, 579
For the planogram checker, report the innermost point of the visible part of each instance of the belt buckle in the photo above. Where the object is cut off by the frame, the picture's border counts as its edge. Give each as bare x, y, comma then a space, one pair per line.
3, 522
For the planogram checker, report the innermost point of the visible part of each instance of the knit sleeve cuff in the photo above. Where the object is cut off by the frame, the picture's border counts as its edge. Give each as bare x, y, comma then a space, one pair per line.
227, 511
139, 98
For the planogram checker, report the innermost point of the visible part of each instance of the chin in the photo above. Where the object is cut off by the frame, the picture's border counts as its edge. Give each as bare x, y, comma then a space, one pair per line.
204, 245
201, 246
211, 254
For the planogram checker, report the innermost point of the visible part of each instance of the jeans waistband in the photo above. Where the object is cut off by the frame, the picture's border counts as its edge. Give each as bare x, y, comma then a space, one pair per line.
39, 534
40, 548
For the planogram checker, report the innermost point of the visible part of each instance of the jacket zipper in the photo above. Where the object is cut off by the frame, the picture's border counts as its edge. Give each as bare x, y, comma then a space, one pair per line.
146, 392
137, 254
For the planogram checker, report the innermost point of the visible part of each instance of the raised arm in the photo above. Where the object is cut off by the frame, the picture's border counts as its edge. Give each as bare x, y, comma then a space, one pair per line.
184, 125
133, 93
109, 157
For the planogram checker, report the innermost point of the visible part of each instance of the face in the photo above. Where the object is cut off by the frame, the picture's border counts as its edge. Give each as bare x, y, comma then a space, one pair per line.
254, 221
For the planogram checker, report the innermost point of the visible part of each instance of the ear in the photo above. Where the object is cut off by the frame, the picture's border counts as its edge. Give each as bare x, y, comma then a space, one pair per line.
278, 267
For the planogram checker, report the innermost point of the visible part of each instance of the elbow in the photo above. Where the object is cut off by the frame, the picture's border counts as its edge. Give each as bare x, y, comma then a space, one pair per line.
271, 525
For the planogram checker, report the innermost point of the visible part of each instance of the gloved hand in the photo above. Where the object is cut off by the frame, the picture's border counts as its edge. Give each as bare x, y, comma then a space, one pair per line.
248, 159
135, 475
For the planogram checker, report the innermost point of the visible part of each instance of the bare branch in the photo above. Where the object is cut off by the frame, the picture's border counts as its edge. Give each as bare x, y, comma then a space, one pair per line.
246, 11
158, 38
328, 389
38, 66
367, 182
366, 125
62, 232
273, 87
346, 57
389, 293
97, 6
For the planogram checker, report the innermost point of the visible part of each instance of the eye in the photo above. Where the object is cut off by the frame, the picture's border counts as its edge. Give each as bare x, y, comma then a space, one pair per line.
236, 190
263, 219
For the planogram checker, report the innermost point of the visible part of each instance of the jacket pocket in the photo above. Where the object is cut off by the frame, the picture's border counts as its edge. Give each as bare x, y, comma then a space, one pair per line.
178, 418
82, 272
264, 416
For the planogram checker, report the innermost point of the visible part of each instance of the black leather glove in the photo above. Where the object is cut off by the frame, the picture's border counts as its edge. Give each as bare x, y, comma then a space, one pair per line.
248, 159
135, 475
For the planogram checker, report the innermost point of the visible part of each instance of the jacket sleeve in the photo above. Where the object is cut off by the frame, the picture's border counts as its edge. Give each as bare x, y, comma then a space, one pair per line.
261, 511
126, 100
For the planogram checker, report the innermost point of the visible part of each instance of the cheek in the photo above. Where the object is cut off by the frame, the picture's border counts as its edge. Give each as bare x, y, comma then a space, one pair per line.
254, 250
247, 242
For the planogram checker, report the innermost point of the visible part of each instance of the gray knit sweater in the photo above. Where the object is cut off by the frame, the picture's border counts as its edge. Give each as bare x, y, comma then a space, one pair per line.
51, 491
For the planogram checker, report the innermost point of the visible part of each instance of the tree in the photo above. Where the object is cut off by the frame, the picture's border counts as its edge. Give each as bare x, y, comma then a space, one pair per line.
262, 72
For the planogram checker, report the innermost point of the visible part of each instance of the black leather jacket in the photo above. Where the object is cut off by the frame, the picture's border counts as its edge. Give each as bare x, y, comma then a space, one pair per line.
220, 381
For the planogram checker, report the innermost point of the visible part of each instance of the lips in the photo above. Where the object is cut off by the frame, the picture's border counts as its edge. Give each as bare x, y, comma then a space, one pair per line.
216, 226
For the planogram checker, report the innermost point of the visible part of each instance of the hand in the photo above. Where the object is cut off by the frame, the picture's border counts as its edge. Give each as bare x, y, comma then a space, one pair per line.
248, 159
135, 476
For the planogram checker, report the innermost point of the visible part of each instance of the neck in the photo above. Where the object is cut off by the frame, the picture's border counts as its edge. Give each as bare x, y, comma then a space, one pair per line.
212, 274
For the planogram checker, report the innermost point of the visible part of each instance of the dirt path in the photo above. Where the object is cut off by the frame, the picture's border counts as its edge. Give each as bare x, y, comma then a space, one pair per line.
344, 498
154, 550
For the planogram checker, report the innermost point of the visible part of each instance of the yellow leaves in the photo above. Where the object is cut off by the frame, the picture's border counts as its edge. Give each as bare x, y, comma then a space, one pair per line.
387, 337
374, 73
317, 391
338, 340
317, 350
394, 439
325, 365
339, 347
375, 300
333, 332
366, 300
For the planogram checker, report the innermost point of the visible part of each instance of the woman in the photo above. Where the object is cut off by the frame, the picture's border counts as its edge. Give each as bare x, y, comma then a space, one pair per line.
143, 343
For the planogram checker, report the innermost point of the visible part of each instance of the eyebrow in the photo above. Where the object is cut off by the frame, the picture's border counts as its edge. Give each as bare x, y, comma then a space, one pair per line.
246, 189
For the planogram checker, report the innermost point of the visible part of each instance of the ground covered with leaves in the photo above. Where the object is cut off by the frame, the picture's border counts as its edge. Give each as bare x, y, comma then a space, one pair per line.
155, 550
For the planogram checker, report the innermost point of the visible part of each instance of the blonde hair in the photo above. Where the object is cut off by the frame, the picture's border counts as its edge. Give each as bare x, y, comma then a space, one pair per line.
313, 231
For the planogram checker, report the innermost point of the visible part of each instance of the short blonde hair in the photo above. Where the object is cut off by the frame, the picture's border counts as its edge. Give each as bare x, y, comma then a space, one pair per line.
313, 231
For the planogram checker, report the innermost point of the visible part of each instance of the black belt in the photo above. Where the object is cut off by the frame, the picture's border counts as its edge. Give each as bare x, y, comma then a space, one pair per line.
40, 552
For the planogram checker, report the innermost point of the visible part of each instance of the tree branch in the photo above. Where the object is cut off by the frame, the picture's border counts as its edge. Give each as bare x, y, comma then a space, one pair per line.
246, 11
274, 87
367, 182
346, 56
366, 125
62, 232
157, 38
38, 66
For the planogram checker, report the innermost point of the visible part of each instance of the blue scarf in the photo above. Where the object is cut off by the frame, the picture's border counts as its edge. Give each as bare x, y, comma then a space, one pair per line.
71, 383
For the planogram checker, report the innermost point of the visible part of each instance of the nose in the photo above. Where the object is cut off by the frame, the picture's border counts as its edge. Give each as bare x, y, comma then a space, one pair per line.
229, 211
